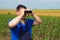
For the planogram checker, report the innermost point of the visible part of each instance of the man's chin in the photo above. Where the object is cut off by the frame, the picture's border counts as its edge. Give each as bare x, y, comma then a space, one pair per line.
24, 18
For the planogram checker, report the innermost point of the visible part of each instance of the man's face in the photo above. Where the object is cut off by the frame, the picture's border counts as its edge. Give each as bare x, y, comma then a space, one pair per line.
20, 12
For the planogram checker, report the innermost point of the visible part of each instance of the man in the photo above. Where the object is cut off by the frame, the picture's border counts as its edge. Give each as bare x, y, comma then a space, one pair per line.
20, 26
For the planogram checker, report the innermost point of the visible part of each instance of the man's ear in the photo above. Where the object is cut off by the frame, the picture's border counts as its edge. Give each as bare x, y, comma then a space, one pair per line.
17, 13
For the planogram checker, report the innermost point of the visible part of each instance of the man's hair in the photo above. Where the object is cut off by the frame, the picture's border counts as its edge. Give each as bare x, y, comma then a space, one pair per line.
20, 6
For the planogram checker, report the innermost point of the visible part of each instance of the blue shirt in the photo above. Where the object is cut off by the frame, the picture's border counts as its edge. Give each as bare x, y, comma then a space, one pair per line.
16, 31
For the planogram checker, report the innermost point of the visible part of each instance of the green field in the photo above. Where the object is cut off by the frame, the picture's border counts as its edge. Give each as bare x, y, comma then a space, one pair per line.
48, 30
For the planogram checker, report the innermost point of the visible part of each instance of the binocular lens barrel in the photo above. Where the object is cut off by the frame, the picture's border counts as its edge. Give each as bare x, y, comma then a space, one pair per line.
28, 11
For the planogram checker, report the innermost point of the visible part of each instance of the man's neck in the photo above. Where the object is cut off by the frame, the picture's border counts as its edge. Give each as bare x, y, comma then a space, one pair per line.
23, 21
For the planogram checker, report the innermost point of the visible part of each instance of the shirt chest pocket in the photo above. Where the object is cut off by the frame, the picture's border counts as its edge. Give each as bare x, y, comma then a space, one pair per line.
24, 28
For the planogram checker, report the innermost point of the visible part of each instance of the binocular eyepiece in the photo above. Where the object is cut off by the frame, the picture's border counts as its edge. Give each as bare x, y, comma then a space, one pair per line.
28, 12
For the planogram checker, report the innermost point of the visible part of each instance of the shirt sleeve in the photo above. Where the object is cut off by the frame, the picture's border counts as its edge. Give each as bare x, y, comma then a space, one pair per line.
9, 20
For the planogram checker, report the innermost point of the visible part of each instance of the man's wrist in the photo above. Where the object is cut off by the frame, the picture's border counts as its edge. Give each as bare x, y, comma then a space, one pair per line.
32, 14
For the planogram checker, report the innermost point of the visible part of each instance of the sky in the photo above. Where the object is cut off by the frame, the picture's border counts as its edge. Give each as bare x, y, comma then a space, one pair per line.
32, 4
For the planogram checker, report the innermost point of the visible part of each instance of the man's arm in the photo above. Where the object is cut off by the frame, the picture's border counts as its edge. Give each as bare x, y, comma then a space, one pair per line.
37, 19
16, 20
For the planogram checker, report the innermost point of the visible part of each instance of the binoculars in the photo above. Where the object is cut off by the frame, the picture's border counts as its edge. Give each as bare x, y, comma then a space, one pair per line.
28, 12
